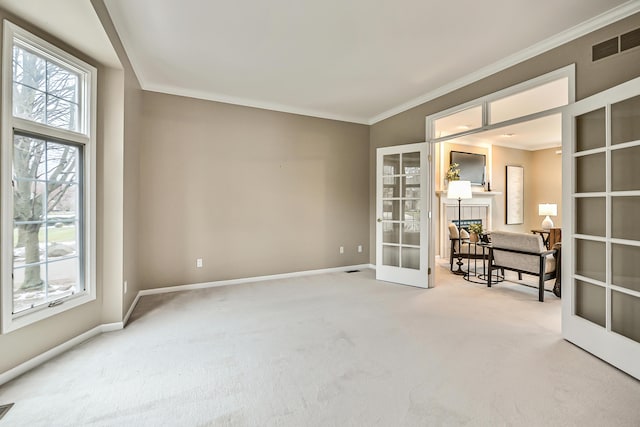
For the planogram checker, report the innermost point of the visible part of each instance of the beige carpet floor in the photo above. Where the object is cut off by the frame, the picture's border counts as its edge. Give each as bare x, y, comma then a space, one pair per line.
331, 350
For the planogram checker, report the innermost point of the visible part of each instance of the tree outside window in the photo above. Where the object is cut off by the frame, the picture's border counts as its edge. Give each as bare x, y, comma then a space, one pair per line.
46, 183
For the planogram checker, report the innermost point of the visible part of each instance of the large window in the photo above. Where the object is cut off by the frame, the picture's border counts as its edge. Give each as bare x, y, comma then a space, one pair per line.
47, 186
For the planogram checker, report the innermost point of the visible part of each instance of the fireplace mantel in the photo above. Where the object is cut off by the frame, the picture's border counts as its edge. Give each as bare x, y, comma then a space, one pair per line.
474, 194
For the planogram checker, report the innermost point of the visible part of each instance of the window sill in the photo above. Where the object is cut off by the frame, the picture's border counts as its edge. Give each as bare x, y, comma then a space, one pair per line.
13, 322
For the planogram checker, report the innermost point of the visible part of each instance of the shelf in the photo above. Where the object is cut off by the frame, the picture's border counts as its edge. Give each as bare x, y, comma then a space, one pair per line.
473, 194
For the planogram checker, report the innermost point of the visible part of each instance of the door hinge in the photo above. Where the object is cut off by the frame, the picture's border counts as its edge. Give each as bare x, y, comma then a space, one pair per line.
429, 270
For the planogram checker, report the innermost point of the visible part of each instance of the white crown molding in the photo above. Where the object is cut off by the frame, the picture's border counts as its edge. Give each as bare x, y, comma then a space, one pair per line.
245, 102
593, 24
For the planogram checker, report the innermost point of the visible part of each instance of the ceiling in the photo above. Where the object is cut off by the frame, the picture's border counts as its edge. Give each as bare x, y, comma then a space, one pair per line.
351, 60
355, 60
72, 21
538, 134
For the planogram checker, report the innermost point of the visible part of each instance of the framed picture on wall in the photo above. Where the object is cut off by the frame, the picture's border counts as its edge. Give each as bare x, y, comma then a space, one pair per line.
515, 195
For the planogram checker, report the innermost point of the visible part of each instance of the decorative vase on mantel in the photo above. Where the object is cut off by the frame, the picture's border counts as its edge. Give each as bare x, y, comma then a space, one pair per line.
453, 173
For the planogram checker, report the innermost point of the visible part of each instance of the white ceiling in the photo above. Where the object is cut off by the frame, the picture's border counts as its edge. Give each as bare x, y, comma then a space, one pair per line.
72, 21
352, 60
538, 134
355, 60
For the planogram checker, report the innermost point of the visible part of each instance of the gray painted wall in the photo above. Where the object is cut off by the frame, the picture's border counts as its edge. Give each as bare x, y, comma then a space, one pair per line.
129, 103
252, 192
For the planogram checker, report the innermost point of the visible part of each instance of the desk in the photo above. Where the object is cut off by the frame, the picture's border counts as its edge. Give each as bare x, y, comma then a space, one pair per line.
474, 273
545, 236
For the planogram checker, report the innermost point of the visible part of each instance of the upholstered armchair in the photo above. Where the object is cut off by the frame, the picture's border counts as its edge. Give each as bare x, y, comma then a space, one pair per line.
460, 247
523, 253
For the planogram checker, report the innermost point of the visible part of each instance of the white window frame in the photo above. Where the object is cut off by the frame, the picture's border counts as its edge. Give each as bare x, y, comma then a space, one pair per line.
567, 72
85, 137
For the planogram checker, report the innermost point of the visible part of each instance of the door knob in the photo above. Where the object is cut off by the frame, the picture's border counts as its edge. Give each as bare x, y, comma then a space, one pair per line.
379, 219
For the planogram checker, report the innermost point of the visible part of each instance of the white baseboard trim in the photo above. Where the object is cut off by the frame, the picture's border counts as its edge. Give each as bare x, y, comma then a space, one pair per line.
34, 362
205, 285
110, 327
13, 373
133, 305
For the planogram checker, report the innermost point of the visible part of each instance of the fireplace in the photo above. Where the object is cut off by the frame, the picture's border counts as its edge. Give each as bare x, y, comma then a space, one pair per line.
478, 209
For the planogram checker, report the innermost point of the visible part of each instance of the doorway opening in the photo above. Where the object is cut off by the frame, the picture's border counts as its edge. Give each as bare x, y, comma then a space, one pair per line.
517, 129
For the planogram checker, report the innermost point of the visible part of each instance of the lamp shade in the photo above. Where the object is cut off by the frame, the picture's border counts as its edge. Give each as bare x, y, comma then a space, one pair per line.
547, 209
459, 190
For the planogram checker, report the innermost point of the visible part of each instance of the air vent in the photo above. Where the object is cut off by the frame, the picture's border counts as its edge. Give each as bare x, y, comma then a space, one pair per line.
615, 45
4, 409
604, 49
630, 40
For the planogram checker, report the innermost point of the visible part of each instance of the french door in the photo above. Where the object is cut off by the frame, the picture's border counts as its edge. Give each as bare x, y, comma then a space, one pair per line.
601, 201
402, 217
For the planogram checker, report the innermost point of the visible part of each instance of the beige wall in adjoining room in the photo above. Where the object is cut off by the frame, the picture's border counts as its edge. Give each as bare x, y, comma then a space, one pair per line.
547, 176
591, 77
503, 157
251, 192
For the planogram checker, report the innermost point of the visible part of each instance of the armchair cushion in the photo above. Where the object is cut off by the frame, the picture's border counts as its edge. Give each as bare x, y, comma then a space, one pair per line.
453, 231
460, 246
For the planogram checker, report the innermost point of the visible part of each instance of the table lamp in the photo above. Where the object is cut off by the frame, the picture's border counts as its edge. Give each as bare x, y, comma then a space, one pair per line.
547, 209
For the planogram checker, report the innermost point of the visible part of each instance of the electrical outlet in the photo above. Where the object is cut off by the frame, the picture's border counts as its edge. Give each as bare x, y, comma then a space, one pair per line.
341, 249
125, 286
199, 263
359, 248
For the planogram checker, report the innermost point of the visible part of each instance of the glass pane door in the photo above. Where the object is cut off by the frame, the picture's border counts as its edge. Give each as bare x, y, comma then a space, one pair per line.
402, 244
601, 307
